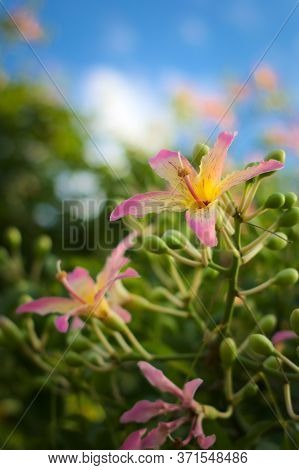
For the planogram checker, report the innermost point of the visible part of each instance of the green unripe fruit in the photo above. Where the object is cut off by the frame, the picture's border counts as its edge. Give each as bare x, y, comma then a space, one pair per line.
294, 320
174, 239
199, 151
289, 218
261, 345
73, 359
13, 237
286, 277
275, 201
154, 244
43, 245
228, 352
11, 332
278, 241
278, 155
268, 323
272, 363
290, 200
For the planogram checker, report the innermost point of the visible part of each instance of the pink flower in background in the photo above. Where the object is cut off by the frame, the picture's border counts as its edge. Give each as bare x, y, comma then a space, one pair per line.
283, 335
26, 22
87, 297
266, 78
191, 191
188, 411
284, 136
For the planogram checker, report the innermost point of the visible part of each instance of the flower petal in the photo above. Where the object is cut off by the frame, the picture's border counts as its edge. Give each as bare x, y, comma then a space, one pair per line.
190, 389
212, 163
203, 222
82, 283
283, 335
46, 305
133, 441
168, 164
122, 313
145, 410
205, 442
77, 324
157, 436
62, 323
156, 378
244, 175
142, 204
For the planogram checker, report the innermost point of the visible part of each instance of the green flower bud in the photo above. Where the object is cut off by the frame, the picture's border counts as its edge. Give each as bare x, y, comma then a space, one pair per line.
174, 239
13, 237
228, 352
278, 155
267, 323
275, 201
73, 359
113, 321
289, 218
199, 151
286, 277
261, 345
278, 241
210, 273
43, 245
272, 363
4, 256
290, 200
252, 180
294, 320
154, 244
11, 332
249, 390
79, 342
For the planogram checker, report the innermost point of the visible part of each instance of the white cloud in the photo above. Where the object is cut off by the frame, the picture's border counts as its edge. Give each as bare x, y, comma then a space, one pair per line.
125, 109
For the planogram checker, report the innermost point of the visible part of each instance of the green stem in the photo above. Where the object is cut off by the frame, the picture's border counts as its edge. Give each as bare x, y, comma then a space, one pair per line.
233, 281
288, 402
141, 301
287, 361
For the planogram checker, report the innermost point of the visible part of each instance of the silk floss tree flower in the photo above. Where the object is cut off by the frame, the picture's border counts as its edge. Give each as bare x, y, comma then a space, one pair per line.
187, 411
88, 297
197, 193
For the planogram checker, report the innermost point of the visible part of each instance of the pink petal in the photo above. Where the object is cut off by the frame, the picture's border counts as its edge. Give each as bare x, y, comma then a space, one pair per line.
189, 391
62, 323
212, 164
168, 164
145, 410
205, 442
156, 378
142, 204
283, 335
133, 441
122, 313
239, 177
203, 222
47, 305
77, 324
157, 436
82, 283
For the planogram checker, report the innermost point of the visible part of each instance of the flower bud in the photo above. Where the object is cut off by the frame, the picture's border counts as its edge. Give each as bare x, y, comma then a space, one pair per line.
114, 321
43, 245
252, 180
261, 345
278, 241
286, 277
289, 218
249, 390
290, 200
13, 237
228, 352
199, 151
73, 359
78, 342
278, 155
11, 332
267, 323
4, 256
154, 244
272, 363
294, 320
174, 239
275, 201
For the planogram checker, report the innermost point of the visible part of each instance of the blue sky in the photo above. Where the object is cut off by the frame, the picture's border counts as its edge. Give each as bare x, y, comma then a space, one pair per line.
140, 46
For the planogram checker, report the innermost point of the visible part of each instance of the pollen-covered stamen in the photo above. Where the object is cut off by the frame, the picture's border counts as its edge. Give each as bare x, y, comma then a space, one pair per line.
184, 174
61, 276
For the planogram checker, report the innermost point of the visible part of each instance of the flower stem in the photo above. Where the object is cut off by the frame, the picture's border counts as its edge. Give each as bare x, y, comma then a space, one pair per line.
288, 402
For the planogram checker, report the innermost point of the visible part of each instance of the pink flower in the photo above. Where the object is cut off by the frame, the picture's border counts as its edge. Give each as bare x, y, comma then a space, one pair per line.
87, 297
187, 409
25, 21
283, 335
195, 193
